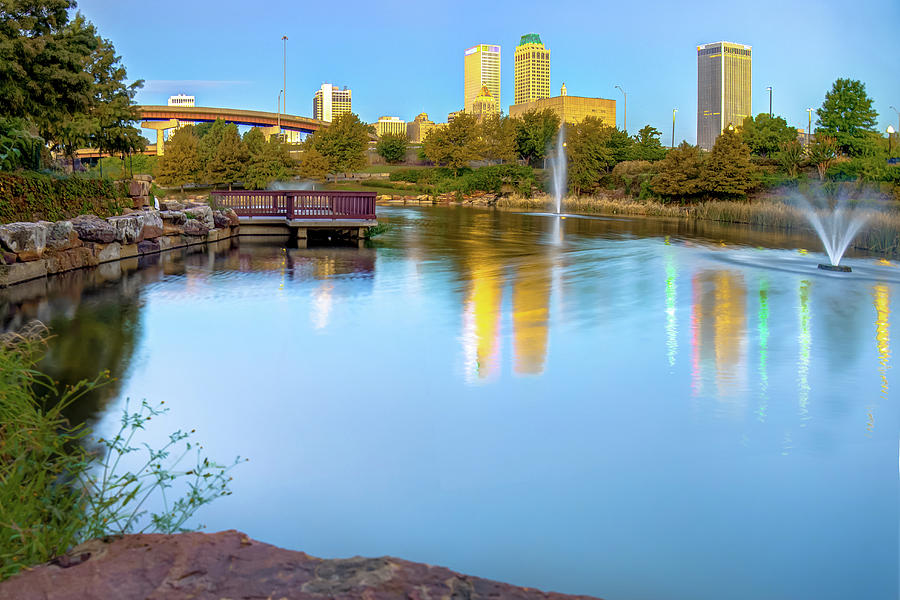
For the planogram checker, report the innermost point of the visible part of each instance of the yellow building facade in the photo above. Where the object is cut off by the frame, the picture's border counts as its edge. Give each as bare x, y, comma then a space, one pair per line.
485, 103
418, 129
482, 69
571, 109
724, 92
532, 70
390, 125
330, 102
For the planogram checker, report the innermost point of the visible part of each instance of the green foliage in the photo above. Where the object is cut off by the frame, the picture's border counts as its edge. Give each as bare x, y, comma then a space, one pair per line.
870, 169
254, 139
392, 147
343, 143
34, 197
208, 144
272, 162
377, 230
822, 152
632, 175
457, 144
593, 149
228, 162
19, 145
764, 135
728, 172
790, 155
181, 163
313, 164
55, 494
646, 145
847, 116
119, 168
534, 132
494, 178
498, 138
678, 173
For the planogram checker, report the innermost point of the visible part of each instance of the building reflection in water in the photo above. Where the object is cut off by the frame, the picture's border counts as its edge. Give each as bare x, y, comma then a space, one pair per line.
481, 321
718, 340
805, 341
762, 325
671, 323
532, 286
882, 300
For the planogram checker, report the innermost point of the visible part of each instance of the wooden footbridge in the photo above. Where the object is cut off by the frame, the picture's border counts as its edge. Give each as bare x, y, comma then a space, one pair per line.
301, 212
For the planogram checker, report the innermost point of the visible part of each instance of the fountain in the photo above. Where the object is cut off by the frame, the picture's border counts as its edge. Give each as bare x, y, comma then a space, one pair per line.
836, 228
559, 182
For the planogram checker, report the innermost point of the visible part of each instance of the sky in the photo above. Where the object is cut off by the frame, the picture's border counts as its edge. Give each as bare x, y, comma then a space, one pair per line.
402, 58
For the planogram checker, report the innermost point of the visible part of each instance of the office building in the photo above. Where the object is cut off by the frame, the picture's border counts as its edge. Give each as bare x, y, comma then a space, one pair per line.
330, 102
419, 128
453, 115
485, 104
724, 78
532, 69
482, 69
390, 125
571, 109
181, 100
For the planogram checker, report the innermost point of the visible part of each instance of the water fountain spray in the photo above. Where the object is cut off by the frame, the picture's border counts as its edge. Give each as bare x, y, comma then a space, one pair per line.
835, 227
559, 181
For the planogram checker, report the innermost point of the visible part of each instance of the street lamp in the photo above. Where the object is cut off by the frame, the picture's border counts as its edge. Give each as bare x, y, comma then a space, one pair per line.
890, 132
809, 127
770, 100
898, 117
674, 110
280, 92
624, 109
284, 39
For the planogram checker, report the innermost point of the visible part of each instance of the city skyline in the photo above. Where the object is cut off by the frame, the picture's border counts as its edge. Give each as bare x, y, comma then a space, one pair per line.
656, 66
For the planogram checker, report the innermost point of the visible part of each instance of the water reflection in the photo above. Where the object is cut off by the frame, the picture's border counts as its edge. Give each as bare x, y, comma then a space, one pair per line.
882, 300
762, 320
805, 341
481, 322
532, 285
671, 301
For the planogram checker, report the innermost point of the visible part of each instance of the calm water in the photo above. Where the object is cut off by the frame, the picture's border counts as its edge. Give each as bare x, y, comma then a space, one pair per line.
633, 409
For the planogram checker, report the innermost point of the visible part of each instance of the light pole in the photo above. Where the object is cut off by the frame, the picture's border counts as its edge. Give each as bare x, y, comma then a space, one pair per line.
890, 132
284, 39
674, 110
624, 109
898, 117
809, 127
770, 101
280, 92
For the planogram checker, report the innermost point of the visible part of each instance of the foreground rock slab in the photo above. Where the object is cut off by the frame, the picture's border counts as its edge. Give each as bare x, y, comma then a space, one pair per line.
231, 565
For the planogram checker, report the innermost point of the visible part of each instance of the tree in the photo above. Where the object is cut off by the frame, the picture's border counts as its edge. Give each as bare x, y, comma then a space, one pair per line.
646, 144
209, 140
498, 138
456, 145
790, 156
593, 149
679, 173
229, 161
534, 132
392, 147
728, 170
822, 153
313, 164
343, 143
254, 140
847, 116
181, 162
271, 162
764, 134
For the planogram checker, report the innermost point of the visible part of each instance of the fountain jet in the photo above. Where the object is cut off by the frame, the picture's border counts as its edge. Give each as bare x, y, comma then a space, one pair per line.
836, 228
559, 181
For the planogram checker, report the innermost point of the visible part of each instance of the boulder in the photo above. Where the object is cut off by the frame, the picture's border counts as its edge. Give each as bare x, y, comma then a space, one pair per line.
232, 216
175, 216
61, 235
27, 240
18, 272
73, 258
171, 205
229, 564
204, 214
137, 187
153, 225
94, 229
220, 220
106, 252
7, 258
128, 227
195, 227
139, 202
148, 246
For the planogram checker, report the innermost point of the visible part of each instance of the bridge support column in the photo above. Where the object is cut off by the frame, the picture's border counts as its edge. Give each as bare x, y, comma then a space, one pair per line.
301, 237
160, 127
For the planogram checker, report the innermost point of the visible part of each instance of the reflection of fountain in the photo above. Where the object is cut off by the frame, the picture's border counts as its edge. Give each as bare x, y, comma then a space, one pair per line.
559, 180
836, 227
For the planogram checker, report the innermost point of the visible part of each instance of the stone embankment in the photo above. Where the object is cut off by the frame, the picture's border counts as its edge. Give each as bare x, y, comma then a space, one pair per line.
474, 199
32, 250
230, 565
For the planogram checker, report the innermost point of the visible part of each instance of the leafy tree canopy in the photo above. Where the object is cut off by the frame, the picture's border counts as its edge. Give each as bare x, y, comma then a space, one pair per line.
228, 162
343, 143
392, 147
764, 134
679, 173
534, 132
647, 145
847, 116
498, 137
181, 162
457, 144
728, 171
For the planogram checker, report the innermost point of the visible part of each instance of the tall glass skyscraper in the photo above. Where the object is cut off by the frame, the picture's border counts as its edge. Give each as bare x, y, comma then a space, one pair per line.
482, 69
724, 95
532, 69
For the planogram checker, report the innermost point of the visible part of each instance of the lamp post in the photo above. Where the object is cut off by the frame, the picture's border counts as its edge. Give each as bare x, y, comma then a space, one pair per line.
898, 117
284, 39
624, 109
280, 92
770, 101
809, 127
674, 110
890, 132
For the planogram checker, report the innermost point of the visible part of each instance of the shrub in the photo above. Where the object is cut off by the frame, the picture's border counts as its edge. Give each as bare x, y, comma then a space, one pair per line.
33, 197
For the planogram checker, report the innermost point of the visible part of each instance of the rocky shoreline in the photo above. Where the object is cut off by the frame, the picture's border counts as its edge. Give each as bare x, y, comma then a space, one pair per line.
229, 564
33, 250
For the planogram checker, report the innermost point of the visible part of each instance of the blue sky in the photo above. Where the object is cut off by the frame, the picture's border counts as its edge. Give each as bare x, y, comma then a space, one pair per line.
403, 58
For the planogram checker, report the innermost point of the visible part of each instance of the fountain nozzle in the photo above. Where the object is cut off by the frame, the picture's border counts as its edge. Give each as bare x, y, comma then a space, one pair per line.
841, 268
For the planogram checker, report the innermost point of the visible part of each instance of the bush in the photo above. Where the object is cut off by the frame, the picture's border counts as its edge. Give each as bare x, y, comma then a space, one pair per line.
34, 197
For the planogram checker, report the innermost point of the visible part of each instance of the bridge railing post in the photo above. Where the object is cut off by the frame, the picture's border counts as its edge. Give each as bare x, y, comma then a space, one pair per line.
289, 206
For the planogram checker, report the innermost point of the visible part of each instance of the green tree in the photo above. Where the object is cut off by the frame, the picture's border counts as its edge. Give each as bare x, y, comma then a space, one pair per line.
313, 164
764, 134
679, 173
181, 162
534, 132
271, 162
790, 155
498, 137
593, 149
343, 143
254, 140
847, 116
727, 171
456, 145
228, 162
392, 147
822, 152
647, 145
209, 142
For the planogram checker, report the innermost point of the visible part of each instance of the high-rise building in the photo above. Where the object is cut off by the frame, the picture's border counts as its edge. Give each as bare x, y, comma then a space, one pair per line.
570, 109
330, 102
484, 103
724, 78
532, 69
390, 125
482, 69
181, 100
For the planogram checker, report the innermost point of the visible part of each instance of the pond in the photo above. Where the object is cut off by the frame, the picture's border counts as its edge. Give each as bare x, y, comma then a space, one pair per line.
627, 408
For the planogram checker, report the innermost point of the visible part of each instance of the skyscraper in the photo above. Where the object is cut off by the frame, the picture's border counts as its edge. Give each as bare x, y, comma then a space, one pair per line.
330, 102
723, 89
482, 69
532, 69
